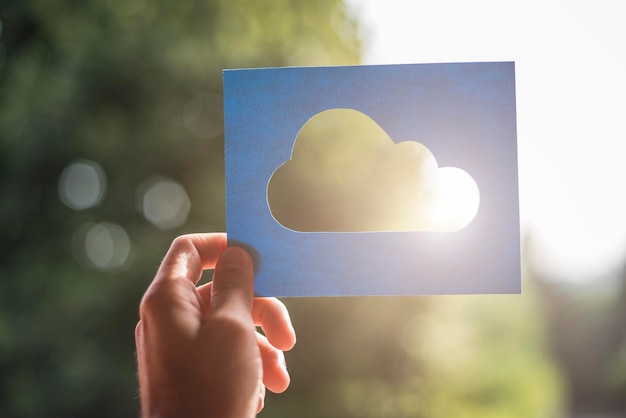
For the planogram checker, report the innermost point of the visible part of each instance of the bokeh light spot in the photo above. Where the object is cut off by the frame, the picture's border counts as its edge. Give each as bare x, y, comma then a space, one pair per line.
82, 185
107, 246
202, 115
164, 202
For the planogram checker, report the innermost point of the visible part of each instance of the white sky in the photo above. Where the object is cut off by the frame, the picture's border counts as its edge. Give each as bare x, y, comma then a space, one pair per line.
571, 107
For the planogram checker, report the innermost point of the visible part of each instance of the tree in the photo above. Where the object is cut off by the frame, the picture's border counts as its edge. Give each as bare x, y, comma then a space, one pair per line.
110, 145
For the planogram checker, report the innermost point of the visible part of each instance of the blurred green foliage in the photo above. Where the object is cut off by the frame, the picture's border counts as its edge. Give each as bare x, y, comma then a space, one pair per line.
135, 87
452, 356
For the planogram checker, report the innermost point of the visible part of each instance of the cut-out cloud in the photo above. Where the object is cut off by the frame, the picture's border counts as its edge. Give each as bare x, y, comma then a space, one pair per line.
347, 175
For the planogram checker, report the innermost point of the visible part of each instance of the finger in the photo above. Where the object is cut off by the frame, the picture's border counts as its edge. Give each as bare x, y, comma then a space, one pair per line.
205, 294
272, 316
190, 254
275, 375
268, 313
233, 283
182, 264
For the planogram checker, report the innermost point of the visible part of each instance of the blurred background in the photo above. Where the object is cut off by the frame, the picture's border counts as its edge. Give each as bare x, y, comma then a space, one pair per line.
111, 144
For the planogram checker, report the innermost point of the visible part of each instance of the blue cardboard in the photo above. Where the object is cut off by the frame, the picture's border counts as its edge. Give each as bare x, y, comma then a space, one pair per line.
463, 113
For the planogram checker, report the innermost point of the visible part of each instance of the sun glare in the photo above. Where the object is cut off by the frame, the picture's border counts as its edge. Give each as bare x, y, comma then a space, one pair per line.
569, 112
455, 201
347, 175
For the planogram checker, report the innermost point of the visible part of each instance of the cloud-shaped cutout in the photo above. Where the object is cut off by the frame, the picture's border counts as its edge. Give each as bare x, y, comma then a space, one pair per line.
347, 175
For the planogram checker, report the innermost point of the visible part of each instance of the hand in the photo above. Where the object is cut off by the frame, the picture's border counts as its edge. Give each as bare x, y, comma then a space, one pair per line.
198, 351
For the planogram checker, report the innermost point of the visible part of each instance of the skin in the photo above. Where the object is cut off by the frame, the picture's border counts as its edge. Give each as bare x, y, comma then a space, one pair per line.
198, 350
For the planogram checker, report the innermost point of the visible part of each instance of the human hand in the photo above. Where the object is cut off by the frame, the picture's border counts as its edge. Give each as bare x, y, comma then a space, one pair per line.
198, 351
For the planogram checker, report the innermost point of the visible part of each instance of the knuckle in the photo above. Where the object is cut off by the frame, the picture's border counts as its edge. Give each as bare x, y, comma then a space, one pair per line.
181, 242
152, 300
231, 322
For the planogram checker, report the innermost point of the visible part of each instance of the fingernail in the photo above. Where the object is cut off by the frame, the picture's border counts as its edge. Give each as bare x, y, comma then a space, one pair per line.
234, 257
261, 403
281, 360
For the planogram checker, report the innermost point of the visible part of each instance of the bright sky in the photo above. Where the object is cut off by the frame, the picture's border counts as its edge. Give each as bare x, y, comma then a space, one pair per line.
571, 89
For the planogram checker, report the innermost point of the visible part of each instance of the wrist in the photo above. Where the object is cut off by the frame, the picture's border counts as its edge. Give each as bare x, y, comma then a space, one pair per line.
178, 402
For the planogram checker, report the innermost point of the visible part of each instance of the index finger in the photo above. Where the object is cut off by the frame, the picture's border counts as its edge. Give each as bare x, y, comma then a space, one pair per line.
189, 255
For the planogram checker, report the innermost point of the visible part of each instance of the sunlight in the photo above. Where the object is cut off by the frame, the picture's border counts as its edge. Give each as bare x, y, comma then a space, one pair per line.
347, 175
570, 89
456, 200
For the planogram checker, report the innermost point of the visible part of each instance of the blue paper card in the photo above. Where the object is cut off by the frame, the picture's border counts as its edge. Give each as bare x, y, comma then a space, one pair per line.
375, 180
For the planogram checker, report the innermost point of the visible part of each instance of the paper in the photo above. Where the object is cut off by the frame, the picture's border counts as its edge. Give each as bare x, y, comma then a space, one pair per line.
374, 180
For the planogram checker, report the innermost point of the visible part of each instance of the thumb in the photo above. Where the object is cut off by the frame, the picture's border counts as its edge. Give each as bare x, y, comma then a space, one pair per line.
233, 282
